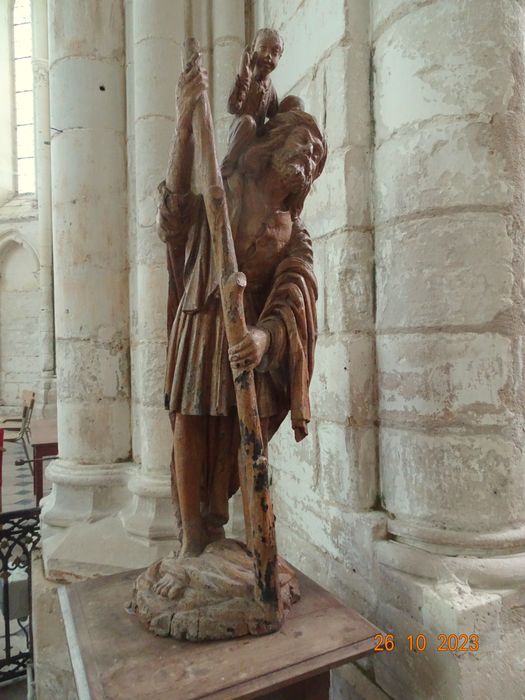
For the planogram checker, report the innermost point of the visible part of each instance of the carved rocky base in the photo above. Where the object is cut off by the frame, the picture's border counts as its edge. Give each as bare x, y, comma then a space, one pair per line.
208, 597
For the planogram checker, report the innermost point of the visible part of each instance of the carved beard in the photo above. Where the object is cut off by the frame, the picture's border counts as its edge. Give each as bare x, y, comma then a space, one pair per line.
293, 170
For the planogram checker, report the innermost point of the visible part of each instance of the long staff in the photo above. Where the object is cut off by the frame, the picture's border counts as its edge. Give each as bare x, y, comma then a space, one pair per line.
253, 466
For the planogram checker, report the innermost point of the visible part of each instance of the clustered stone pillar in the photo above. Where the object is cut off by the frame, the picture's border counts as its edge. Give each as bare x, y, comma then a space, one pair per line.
449, 207
228, 40
88, 150
156, 36
47, 391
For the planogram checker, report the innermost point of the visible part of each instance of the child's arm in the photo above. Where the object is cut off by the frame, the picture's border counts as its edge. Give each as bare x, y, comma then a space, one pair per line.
241, 86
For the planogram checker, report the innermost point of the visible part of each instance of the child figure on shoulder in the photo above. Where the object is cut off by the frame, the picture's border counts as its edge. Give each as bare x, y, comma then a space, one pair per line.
253, 98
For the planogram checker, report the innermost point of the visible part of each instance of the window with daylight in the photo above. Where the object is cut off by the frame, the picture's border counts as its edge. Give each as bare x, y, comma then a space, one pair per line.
23, 82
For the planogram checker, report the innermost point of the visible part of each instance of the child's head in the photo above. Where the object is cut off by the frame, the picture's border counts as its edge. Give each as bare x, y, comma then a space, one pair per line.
268, 46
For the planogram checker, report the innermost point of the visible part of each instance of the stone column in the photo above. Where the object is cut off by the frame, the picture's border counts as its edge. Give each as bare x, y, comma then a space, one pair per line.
47, 390
156, 38
228, 40
88, 150
449, 182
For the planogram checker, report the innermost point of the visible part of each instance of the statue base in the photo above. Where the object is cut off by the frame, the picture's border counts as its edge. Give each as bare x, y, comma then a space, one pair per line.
209, 597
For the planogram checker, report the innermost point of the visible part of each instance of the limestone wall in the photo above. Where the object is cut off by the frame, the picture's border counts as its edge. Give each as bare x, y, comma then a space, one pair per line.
432, 225
326, 487
448, 239
19, 303
26, 290
449, 213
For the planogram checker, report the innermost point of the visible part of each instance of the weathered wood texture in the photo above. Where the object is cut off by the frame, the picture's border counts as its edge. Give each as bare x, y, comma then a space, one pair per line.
211, 596
253, 463
121, 660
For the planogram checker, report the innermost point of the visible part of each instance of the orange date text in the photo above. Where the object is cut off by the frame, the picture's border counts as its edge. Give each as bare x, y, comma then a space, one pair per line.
456, 643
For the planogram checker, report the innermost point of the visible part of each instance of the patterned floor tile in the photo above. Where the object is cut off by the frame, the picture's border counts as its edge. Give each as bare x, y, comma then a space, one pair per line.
17, 486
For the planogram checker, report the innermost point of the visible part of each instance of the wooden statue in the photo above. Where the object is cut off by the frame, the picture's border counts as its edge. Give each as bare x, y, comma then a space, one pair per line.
240, 353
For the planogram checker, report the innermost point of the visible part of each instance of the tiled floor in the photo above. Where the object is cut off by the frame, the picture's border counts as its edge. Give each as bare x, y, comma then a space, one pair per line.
17, 482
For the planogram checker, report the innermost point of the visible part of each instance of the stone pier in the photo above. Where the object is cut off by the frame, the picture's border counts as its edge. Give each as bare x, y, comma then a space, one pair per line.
46, 392
449, 208
88, 150
155, 34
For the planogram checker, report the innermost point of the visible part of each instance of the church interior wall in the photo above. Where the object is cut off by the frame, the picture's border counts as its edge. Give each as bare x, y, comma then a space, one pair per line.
19, 307
326, 487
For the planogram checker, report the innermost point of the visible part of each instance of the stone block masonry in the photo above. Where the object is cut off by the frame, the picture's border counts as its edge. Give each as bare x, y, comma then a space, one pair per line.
326, 488
448, 183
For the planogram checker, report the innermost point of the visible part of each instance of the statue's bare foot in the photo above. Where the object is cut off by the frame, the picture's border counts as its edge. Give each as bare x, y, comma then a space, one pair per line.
170, 586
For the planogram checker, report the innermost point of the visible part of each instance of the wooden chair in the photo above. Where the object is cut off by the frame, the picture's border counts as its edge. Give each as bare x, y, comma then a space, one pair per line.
27, 397
21, 433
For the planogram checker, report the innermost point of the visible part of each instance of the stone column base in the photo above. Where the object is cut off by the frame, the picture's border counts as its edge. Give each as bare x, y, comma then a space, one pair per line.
441, 598
83, 492
96, 549
85, 531
151, 513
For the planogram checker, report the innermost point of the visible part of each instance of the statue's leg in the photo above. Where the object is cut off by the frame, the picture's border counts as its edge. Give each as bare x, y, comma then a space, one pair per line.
174, 494
190, 445
222, 478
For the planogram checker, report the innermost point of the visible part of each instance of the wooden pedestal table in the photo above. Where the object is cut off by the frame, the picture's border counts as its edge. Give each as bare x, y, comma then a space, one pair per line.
44, 441
113, 655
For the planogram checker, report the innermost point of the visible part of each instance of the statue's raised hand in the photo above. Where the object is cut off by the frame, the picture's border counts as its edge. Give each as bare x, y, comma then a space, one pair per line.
246, 64
192, 84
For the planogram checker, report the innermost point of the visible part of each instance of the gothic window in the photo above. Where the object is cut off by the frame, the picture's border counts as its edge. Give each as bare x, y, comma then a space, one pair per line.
23, 85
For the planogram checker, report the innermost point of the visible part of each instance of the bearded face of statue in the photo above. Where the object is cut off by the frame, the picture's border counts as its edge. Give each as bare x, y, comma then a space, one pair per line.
296, 161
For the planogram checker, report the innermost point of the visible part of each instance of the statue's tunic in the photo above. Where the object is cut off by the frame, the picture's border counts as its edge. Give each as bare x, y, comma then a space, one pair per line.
280, 297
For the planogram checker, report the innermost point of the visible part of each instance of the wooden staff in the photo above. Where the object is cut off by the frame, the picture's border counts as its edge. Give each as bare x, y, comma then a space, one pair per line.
253, 465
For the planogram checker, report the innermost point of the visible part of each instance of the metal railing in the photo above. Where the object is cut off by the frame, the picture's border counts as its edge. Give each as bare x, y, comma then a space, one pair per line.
19, 536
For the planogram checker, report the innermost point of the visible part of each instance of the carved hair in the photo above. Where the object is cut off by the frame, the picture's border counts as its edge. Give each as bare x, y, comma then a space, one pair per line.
258, 156
268, 34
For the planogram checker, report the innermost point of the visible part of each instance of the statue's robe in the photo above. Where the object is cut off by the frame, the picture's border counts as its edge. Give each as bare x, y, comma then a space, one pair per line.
280, 298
